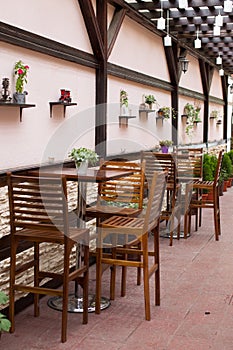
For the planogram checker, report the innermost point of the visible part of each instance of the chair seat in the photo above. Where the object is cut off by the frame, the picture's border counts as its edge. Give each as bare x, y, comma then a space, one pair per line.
105, 210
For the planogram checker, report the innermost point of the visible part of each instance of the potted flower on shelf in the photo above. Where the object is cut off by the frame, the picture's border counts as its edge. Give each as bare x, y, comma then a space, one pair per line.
20, 71
165, 144
124, 102
5, 324
192, 112
83, 157
150, 99
166, 113
214, 114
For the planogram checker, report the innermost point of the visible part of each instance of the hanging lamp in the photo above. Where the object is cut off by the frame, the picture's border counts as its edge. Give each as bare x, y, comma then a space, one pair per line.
167, 38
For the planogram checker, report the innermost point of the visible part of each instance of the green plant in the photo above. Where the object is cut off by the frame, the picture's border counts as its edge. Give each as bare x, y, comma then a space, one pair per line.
166, 112
215, 114
230, 154
165, 143
226, 165
209, 166
150, 99
5, 324
20, 71
124, 98
79, 155
192, 111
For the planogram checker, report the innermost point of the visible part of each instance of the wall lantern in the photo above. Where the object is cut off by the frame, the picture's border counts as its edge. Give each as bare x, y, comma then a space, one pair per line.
184, 63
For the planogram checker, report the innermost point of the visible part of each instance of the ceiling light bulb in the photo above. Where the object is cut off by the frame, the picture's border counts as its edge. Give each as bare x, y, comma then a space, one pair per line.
227, 6
161, 23
219, 20
167, 40
197, 43
183, 4
219, 60
216, 30
221, 72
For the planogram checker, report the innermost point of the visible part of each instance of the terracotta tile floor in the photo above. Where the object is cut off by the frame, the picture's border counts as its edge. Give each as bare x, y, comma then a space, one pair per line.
196, 311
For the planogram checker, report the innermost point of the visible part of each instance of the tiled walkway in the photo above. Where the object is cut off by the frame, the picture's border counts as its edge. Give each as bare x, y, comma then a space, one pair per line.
196, 311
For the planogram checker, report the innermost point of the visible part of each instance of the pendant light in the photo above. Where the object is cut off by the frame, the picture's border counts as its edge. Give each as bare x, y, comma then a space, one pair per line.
161, 21
219, 59
219, 20
227, 6
197, 42
216, 31
167, 38
183, 4
221, 72
184, 63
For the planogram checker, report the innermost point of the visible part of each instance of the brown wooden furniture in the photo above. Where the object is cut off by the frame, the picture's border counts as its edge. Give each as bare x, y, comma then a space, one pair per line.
190, 167
121, 196
196, 201
39, 214
139, 228
171, 209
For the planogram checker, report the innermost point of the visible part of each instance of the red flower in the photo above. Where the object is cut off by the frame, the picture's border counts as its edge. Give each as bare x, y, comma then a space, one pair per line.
26, 67
20, 71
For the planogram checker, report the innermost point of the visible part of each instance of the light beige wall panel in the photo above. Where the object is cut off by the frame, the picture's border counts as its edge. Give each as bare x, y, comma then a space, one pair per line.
54, 19
192, 78
216, 85
24, 143
138, 49
143, 132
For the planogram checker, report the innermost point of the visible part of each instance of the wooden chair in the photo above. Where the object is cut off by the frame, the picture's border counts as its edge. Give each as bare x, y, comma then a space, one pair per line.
196, 201
123, 196
190, 167
139, 228
171, 210
38, 214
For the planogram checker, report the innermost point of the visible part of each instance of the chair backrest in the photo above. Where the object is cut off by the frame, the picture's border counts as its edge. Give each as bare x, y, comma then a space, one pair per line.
38, 203
155, 200
125, 190
159, 162
189, 163
218, 169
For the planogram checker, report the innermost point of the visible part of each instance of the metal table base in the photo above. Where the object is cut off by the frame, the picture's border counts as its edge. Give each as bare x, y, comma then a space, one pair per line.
75, 304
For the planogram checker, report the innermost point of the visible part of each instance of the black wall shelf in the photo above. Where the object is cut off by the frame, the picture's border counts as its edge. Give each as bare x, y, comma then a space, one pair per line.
123, 120
60, 104
19, 105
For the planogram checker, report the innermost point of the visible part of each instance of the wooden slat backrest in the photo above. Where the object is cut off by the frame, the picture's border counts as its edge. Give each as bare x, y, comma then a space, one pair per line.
38, 202
125, 190
159, 162
154, 206
218, 169
190, 163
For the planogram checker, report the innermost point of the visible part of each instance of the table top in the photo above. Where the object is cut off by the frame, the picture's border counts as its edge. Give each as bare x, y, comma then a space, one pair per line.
92, 175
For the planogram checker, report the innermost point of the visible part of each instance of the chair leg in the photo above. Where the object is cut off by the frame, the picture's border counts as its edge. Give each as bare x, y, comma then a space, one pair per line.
216, 217
36, 278
146, 276
14, 245
157, 263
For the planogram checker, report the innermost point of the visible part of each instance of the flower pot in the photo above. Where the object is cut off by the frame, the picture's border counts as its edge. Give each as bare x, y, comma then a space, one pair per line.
225, 183
164, 149
82, 167
19, 98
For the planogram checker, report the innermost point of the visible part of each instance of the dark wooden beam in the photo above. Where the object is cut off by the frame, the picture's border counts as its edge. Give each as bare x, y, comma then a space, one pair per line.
92, 27
114, 28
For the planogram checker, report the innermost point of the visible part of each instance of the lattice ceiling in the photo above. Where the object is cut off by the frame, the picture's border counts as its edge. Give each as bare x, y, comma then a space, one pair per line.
184, 23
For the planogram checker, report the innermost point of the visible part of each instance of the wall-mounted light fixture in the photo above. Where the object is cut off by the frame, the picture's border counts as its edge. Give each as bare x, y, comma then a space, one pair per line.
184, 63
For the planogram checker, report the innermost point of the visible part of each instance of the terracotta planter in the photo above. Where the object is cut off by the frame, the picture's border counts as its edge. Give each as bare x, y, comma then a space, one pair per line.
204, 197
225, 183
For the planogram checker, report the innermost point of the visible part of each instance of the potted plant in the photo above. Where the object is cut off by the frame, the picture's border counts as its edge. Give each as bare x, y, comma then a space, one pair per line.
166, 112
124, 102
83, 157
165, 144
20, 71
5, 324
214, 114
150, 99
226, 169
192, 111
